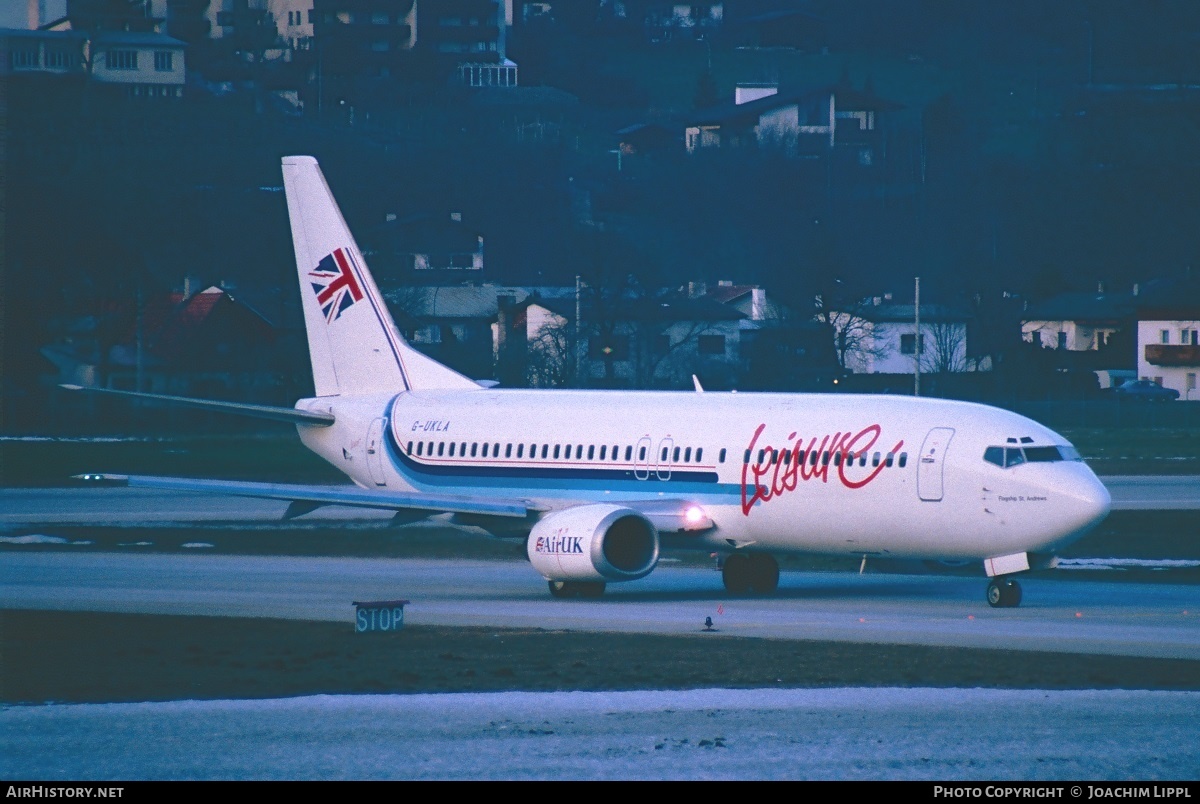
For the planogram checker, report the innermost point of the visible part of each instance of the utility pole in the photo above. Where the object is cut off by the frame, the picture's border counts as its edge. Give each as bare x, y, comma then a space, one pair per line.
576, 345
139, 363
917, 344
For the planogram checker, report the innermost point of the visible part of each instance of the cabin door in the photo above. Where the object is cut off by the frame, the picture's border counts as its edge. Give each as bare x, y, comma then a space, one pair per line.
641, 459
932, 463
665, 460
375, 452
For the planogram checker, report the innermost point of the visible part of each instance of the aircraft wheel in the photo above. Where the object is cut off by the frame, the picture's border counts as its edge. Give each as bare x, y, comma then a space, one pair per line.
1003, 593
562, 589
736, 574
764, 573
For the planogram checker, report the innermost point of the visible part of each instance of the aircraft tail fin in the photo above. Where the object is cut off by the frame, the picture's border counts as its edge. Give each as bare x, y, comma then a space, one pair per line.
353, 343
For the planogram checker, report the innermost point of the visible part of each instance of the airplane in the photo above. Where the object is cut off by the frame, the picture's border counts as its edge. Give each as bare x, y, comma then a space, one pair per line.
599, 482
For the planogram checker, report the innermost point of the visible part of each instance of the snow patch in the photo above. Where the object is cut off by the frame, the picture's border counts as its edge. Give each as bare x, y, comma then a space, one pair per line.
1126, 563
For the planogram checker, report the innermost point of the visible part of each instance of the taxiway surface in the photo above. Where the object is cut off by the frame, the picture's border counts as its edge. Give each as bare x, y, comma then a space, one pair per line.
1121, 618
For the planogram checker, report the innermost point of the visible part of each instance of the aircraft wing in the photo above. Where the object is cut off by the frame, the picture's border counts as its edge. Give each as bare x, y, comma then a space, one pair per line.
304, 498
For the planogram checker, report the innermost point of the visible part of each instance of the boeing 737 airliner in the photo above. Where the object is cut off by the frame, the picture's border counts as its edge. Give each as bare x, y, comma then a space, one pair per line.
597, 482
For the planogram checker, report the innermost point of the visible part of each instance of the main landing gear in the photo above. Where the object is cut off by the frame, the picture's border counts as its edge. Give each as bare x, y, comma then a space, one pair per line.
1003, 593
745, 573
588, 589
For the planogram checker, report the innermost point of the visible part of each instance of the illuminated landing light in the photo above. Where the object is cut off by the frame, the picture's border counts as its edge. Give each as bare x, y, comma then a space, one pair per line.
694, 515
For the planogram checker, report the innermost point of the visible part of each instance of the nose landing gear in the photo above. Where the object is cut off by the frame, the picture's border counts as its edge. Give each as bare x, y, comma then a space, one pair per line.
1003, 593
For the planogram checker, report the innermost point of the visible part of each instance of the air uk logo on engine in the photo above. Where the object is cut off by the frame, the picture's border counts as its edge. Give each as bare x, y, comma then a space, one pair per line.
558, 545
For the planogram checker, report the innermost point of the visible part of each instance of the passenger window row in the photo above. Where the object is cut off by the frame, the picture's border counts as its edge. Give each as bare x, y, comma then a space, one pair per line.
770, 456
476, 449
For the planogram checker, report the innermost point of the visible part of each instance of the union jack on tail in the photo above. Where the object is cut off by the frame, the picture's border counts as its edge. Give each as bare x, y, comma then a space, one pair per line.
336, 287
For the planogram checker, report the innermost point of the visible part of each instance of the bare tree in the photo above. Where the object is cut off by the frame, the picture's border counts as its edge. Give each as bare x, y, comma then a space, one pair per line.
851, 331
550, 354
944, 347
664, 342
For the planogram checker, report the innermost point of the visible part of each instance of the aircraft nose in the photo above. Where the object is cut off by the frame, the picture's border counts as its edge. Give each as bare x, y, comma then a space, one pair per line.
1090, 503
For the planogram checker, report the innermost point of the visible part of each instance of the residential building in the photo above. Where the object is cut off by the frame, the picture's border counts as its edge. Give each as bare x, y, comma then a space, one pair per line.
1168, 340
799, 123
881, 337
197, 344
551, 338
422, 40
1077, 321
425, 249
457, 324
658, 341
749, 300
135, 63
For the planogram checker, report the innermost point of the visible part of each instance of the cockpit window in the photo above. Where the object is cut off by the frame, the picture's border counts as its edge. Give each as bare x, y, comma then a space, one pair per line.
1012, 456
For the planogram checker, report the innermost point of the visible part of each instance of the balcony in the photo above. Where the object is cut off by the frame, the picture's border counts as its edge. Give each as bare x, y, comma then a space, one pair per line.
1160, 354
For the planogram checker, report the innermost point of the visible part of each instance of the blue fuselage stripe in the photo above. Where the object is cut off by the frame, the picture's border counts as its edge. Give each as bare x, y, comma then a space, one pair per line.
553, 480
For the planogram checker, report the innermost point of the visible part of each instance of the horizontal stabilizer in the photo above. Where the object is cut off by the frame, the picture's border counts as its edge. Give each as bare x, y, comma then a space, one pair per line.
320, 495
292, 415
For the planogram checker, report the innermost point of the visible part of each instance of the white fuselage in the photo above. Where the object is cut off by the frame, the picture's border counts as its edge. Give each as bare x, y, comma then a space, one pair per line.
843, 474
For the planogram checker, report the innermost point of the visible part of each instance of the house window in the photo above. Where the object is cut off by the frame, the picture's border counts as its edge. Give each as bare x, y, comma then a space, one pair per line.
1191, 381
24, 58
1037, 338
1187, 337
908, 344
122, 60
1164, 336
163, 61
58, 58
711, 344
428, 334
1062, 340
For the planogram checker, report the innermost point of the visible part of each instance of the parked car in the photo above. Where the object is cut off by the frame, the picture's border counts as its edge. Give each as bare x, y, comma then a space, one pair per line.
1145, 390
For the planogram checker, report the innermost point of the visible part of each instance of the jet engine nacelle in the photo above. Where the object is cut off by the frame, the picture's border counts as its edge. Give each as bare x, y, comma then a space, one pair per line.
593, 543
